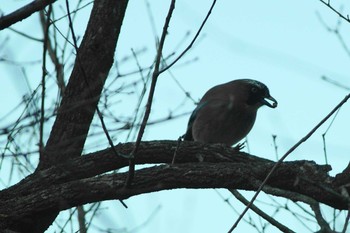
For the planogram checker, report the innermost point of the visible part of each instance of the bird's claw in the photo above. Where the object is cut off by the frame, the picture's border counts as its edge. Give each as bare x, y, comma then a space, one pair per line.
239, 147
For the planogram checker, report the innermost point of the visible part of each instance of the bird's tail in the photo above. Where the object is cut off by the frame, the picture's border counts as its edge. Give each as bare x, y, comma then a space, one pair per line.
188, 135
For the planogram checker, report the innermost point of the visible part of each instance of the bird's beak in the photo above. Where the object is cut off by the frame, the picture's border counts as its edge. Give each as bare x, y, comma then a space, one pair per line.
272, 103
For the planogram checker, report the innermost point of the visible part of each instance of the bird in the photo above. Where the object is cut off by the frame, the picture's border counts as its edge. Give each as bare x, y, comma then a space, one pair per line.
227, 112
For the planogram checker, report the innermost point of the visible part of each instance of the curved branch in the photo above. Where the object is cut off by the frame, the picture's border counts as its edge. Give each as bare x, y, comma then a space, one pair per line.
199, 166
164, 177
153, 152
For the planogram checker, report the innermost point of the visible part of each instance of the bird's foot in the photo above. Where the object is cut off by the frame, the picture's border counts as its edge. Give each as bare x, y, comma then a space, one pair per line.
239, 147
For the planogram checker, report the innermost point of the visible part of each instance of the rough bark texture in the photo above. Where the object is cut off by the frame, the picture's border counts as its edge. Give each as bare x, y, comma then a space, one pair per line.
197, 165
93, 62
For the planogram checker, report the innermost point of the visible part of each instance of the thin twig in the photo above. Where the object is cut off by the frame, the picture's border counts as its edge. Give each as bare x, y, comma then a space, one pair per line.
187, 94
227, 201
26, 35
324, 141
324, 137
346, 222
335, 83
346, 18
259, 212
275, 145
324, 148
78, 8
155, 76
93, 212
285, 156
193, 40
142, 95
152, 21
43, 82
54, 58
336, 31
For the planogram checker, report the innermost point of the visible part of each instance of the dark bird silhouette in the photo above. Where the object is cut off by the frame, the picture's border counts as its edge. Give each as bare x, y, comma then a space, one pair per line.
227, 112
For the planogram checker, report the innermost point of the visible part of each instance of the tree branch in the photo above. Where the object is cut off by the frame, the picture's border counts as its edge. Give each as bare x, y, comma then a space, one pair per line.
24, 12
74, 116
261, 213
198, 165
319, 218
346, 18
155, 76
193, 40
163, 177
87, 79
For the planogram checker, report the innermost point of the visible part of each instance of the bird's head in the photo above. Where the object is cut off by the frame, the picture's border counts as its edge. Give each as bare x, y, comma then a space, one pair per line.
258, 94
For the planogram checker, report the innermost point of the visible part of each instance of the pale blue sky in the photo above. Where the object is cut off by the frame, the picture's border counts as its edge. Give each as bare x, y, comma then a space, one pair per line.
280, 43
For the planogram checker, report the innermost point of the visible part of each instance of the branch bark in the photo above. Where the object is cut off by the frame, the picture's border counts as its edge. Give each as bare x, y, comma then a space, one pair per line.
23, 13
198, 165
94, 60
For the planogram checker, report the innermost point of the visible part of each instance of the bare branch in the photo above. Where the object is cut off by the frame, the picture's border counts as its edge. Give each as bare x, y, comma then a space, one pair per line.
335, 83
320, 220
53, 54
346, 18
24, 12
86, 82
155, 75
335, 31
261, 213
81, 219
346, 222
193, 40
67, 194
46, 26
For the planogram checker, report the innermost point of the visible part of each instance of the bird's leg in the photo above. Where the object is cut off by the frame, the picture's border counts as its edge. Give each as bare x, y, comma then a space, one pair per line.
239, 146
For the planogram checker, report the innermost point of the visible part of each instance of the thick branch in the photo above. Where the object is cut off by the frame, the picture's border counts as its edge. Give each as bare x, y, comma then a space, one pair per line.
153, 152
198, 166
164, 177
93, 62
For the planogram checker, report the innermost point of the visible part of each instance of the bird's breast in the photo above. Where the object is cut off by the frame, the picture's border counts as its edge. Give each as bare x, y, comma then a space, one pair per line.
223, 122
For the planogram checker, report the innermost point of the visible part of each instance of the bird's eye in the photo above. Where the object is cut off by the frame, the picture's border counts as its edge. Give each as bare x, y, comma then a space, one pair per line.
254, 89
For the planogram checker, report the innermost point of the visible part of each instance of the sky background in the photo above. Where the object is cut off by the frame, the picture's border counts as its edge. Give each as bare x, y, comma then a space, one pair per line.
284, 44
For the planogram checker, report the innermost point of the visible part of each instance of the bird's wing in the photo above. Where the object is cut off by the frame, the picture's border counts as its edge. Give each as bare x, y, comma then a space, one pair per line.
188, 135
